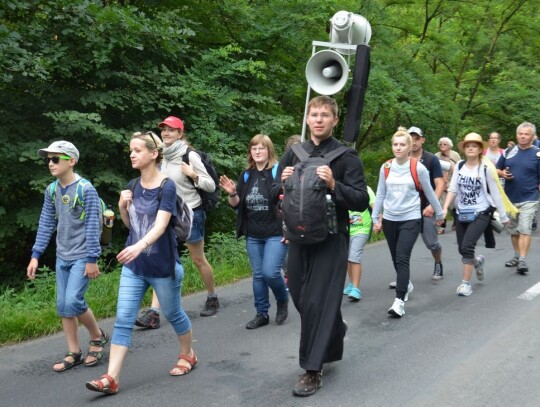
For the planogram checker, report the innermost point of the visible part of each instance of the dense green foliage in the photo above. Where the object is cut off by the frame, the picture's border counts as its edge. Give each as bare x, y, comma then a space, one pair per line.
94, 71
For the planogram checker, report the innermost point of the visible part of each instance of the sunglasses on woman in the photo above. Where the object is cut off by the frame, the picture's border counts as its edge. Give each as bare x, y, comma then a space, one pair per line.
56, 159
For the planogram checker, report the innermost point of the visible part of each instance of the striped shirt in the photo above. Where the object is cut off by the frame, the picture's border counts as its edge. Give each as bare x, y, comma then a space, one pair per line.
75, 238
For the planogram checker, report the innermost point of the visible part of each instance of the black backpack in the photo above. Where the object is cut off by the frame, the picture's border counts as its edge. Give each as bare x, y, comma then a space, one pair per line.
305, 206
183, 221
209, 199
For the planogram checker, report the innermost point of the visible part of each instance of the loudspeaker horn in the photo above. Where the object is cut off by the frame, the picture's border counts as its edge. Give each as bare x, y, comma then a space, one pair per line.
327, 72
349, 28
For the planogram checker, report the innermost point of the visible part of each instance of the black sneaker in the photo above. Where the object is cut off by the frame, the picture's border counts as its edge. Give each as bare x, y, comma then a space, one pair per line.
282, 311
258, 321
210, 307
307, 384
149, 319
437, 272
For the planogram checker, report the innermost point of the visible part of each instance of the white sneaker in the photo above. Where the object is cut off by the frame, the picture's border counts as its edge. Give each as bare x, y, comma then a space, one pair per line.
464, 290
410, 289
479, 267
393, 285
398, 308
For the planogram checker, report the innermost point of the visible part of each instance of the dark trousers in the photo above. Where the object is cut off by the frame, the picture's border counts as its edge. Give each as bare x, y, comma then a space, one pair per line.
401, 237
316, 278
468, 235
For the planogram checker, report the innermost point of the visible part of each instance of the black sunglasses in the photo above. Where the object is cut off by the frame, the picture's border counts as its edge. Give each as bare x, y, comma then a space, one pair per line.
149, 133
56, 159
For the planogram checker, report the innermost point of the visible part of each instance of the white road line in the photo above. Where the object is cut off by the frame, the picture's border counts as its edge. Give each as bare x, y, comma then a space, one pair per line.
531, 292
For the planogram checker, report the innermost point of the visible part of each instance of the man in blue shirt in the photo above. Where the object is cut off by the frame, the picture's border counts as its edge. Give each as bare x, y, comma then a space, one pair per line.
520, 168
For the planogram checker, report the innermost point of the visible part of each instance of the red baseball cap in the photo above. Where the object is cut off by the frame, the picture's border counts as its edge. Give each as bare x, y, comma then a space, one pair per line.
173, 122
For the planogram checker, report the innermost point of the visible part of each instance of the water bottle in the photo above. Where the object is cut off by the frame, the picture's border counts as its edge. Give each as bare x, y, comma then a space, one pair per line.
108, 221
331, 215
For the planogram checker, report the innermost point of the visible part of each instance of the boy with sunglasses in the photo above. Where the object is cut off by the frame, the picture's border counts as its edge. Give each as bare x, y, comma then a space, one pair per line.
77, 251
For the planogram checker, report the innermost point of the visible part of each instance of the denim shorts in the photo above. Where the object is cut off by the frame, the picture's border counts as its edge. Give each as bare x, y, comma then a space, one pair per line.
197, 229
71, 285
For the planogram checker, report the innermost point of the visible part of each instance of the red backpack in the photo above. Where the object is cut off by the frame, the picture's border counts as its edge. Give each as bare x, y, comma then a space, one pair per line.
414, 173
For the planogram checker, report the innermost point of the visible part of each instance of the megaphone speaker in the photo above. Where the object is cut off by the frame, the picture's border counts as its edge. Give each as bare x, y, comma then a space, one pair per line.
327, 72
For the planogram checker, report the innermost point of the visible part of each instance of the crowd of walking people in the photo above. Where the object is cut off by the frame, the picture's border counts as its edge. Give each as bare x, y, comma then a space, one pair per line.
416, 193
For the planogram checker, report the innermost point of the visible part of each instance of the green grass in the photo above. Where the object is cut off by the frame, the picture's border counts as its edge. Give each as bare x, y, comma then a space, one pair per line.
31, 312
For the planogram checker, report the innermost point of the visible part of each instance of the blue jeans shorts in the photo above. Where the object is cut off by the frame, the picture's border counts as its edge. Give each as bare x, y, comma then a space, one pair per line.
71, 285
197, 229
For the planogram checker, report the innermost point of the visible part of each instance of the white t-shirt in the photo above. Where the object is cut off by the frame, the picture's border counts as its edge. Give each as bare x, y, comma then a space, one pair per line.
472, 194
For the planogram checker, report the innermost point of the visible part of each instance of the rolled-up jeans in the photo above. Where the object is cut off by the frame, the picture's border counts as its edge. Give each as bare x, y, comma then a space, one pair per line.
130, 293
71, 286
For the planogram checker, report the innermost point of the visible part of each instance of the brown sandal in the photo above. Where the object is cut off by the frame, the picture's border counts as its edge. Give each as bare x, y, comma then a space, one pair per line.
66, 364
192, 360
97, 385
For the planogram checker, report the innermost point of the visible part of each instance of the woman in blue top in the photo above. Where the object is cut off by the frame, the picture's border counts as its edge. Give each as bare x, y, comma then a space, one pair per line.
149, 259
257, 219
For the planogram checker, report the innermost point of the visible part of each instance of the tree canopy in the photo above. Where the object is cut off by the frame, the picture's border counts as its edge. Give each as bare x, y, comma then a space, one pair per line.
93, 72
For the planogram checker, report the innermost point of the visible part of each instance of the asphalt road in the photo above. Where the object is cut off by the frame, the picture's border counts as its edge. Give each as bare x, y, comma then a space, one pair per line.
446, 351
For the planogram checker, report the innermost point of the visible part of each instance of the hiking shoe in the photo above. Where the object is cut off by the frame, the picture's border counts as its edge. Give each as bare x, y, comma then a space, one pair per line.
355, 294
522, 267
149, 319
479, 267
258, 321
398, 308
513, 262
307, 384
210, 307
410, 289
347, 289
437, 272
392, 285
282, 311
464, 290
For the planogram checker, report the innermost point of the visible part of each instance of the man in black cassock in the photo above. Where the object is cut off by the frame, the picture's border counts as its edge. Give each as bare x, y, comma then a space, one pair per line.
317, 272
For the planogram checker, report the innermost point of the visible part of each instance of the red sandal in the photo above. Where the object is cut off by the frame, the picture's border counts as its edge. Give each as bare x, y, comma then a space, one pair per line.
97, 385
192, 360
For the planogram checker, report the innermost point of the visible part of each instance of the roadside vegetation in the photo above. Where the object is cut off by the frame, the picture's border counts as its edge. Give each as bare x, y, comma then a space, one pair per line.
30, 312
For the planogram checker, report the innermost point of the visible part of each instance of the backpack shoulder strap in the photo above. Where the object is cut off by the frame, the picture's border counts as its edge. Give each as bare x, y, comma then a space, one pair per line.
52, 190
386, 168
460, 164
300, 151
185, 157
79, 193
414, 173
274, 170
332, 155
131, 184
161, 187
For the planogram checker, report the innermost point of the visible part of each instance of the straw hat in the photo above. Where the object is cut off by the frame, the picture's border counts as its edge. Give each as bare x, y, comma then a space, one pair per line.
470, 138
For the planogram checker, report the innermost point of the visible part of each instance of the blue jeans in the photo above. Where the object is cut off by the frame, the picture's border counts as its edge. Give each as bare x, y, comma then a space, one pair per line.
71, 285
266, 257
130, 293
